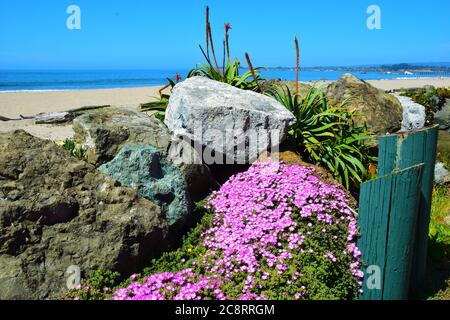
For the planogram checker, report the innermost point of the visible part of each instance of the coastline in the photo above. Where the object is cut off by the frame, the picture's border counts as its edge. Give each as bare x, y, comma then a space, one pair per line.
29, 103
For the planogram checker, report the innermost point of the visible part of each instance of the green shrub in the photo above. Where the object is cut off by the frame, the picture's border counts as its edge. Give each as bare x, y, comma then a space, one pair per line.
444, 157
439, 235
431, 98
191, 249
443, 294
98, 285
230, 75
298, 254
327, 135
74, 149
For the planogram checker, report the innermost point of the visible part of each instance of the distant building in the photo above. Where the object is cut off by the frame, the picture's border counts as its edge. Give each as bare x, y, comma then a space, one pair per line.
408, 73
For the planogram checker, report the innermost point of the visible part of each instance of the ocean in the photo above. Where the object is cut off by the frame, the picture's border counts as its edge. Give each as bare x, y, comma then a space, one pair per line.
72, 80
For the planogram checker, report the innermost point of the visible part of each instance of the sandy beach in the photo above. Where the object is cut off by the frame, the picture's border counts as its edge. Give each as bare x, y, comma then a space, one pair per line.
14, 104
396, 84
29, 103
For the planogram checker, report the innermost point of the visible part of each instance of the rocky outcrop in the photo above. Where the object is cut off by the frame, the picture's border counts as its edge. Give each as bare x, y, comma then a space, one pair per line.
442, 117
104, 134
413, 114
57, 211
233, 125
441, 175
381, 111
143, 167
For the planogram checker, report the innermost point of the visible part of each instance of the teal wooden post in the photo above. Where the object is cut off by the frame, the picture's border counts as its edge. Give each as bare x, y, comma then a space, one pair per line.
400, 151
387, 218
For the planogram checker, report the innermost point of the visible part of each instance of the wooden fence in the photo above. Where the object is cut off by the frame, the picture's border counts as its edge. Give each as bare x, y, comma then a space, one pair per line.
394, 215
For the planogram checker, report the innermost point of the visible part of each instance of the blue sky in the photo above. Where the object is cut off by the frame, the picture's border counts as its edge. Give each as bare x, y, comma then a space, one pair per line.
137, 34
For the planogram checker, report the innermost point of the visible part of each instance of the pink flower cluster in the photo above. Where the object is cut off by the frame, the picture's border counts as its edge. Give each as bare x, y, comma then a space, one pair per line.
255, 235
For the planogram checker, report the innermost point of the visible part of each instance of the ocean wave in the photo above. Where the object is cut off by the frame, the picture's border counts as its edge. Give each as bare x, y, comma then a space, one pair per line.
80, 82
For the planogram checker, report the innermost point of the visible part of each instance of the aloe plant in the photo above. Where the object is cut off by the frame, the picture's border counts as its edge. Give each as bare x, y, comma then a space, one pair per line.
327, 135
228, 73
160, 104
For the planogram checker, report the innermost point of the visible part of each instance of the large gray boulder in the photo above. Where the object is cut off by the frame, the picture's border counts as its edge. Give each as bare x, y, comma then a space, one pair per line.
228, 122
57, 211
413, 114
382, 112
103, 134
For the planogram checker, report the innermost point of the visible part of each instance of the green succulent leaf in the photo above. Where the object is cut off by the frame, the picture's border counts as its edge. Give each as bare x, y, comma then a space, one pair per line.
326, 134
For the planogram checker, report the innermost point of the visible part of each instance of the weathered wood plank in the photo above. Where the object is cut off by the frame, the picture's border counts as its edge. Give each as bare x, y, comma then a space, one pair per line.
402, 150
86, 108
63, 116
2, 118
387, 228
402, 232
53, 117
387, 154
56, 117
373, 216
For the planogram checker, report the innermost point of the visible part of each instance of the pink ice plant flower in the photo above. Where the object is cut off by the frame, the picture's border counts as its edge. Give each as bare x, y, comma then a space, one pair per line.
254, 231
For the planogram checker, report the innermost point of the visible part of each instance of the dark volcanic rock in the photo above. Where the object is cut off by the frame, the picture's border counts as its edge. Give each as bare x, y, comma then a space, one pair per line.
57, 211
105, 133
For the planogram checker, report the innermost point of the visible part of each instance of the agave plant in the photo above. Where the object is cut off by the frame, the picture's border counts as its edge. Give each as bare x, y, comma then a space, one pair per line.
230, 75
327, 135
159, 106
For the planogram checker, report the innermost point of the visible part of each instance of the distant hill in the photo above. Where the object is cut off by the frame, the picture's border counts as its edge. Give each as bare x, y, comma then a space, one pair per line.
413, 67
400, 68
436, 64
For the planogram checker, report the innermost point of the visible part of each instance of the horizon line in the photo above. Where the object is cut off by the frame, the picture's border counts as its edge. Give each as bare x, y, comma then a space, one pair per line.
425, 64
